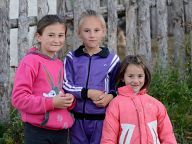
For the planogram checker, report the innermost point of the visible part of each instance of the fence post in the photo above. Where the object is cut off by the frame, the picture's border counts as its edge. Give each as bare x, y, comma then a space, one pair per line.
190, 28
42, 8
188, 25
131, 27
5, 61
144, 29
178, 32
162, 33
23, 29
112, 25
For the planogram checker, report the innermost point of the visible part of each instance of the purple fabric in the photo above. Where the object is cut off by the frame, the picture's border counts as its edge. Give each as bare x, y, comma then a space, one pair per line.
86, 132
89, 72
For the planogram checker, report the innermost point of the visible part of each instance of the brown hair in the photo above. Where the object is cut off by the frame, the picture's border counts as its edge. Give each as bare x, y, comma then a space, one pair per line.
49, 20
46, 21
136, 60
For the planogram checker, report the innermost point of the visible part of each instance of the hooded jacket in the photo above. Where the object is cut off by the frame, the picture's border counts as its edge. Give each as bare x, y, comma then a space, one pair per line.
136, 119
36, 78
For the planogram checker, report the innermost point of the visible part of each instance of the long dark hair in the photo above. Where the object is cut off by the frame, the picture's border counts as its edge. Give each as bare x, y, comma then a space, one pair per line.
136, 60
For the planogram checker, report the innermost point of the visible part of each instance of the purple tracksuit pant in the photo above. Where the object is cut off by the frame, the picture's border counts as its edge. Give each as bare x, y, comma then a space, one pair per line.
86, 132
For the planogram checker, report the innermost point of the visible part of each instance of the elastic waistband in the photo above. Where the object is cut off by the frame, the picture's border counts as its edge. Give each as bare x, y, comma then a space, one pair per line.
88, 116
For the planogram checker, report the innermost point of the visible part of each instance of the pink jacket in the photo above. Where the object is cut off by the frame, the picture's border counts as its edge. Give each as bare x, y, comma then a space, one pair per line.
136, 119
32, 93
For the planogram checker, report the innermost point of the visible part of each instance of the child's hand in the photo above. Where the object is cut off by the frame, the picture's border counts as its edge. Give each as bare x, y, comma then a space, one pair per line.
63, 100
103, 100
94, 94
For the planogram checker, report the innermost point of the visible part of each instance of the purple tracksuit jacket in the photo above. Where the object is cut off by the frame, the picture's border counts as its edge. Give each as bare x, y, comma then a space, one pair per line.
83, 72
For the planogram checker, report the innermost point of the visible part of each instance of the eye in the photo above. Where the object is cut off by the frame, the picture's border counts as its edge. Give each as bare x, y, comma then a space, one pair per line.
141, 76
61, 35
97, 30
50, 35
130, 76
86, 30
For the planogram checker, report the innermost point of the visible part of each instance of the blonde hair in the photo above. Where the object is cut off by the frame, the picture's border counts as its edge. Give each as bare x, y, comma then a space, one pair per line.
93, 13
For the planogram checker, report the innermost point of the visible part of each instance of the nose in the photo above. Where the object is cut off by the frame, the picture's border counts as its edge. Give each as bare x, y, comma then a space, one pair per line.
92, 33
56, 39
135, 80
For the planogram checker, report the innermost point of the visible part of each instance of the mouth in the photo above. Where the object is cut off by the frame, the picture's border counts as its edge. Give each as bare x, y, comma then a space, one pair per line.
56, 45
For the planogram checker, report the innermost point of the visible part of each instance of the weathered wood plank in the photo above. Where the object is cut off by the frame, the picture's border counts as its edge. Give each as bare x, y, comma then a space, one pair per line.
61, 8
42, 8
144, 29
162, 33
131, 27
178, 33
112, 25
5, 61
189, 25
23, 29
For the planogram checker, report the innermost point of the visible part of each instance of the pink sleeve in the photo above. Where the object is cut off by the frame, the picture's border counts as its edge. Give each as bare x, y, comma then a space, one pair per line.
22, 97
165, 129
111, 125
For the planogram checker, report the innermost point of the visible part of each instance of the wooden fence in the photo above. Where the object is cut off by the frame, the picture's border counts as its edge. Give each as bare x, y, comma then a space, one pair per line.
147, 23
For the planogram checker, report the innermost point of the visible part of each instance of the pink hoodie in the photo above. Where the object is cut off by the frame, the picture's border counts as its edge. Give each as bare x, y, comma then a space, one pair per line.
136, 119
36, 75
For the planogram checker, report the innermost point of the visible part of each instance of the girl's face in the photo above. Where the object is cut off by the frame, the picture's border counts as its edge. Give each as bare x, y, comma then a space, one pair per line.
91, 32
52, 39
135, 77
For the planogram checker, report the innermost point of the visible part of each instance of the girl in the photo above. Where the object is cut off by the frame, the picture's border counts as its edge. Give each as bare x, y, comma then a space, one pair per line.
134, 117
37, 91
89, 76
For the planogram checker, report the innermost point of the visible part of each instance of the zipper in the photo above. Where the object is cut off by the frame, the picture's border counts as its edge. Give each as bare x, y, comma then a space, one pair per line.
87, 82
138, 116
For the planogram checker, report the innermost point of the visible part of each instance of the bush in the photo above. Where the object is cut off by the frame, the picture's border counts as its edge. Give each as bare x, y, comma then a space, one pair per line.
12, 132
176, 95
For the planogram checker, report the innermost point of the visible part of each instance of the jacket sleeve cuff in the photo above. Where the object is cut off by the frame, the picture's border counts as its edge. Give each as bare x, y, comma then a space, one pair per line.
113, 92
49, 104
84, 92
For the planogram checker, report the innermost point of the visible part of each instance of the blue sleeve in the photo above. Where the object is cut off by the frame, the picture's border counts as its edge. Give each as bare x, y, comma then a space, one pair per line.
114, 68
68, 84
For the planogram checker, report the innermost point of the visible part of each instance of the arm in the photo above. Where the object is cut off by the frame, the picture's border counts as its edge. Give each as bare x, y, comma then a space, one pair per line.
165, 129
22, 96
104, 99
69, 85
111, 125
113, 70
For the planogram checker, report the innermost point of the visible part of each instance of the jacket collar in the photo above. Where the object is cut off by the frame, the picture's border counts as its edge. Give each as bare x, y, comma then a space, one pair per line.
36, 51
103, 53
128, 91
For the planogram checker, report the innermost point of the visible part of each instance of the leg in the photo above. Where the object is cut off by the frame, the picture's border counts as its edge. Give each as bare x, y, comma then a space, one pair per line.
97, 132
77, 133
34, 135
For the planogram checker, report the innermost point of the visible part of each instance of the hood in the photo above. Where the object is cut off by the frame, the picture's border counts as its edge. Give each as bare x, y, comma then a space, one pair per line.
129, 92
36, 51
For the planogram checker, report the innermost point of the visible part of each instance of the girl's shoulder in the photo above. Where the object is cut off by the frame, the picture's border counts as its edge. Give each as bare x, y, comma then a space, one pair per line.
154, 100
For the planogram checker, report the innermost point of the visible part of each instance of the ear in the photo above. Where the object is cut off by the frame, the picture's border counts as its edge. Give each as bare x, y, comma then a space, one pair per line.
38, 37
78, 33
